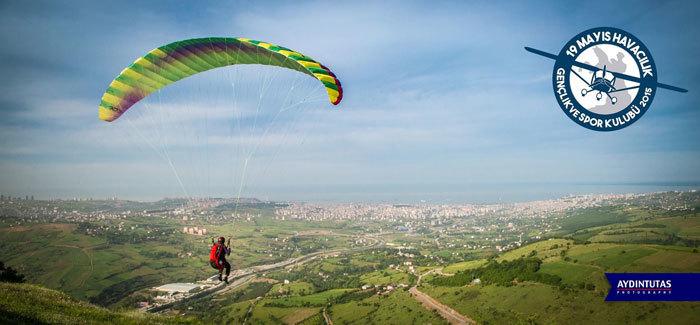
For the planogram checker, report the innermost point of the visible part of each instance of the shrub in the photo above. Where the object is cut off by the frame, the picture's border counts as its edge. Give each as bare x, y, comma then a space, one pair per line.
8, 274
501, 273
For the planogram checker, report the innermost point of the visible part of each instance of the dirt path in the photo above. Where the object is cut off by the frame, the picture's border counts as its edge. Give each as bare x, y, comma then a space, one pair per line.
327, 318
446, 312
449, 314
250, 309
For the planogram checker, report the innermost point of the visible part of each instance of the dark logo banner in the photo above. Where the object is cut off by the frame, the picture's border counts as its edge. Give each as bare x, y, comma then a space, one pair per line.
653, 286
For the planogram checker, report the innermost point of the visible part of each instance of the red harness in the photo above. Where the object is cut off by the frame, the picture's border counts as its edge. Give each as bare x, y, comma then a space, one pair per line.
215, 254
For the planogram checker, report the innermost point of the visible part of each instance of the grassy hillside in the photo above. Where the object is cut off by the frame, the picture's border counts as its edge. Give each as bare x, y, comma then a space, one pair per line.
531, 302
673, 230
30, 304
580, 296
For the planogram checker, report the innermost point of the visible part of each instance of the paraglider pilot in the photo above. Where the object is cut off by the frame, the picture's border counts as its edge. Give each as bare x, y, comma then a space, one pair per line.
217, 257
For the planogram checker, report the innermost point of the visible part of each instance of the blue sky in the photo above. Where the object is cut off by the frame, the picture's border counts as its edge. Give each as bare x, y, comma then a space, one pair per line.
441, 101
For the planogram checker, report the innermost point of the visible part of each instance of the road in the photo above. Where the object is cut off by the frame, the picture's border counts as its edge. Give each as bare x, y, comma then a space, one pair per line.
428, 302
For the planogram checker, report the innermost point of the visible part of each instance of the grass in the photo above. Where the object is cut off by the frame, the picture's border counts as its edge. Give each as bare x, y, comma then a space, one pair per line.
580, 264
293, 288
231, 308
677, 261
396, 308
592, 217
544, 249
354, 312
570, 273
233, 313
385, 277
300, 315
538, 303
25, 303
644, 229
316, 299
275, 315
316, 319
612, 257
683, 226
461, 266
629, 235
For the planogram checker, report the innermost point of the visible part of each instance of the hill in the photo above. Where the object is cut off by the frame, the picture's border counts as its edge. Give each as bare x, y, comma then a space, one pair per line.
30, 304
579, 295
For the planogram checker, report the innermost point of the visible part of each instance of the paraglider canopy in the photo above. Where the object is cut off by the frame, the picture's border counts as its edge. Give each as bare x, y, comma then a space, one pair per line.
178, 60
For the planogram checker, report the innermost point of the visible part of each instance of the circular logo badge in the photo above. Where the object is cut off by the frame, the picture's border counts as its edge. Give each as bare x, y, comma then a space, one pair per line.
604, 79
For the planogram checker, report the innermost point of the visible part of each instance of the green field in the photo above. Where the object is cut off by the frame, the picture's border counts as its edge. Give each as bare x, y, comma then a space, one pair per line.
293, 288
396, 308
461, 266
545, 249
317, 299
386, 277
571, 273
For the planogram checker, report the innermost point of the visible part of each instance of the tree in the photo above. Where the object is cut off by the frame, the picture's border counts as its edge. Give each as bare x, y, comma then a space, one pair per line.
8, 274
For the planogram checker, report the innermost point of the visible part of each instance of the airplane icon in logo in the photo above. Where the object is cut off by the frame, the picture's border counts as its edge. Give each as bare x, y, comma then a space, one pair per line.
603, 80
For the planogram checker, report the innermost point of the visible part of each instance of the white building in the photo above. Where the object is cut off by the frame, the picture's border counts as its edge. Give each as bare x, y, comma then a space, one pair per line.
173, 288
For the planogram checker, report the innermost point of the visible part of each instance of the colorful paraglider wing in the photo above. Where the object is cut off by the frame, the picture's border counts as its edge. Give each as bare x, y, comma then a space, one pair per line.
179, 60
